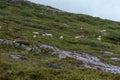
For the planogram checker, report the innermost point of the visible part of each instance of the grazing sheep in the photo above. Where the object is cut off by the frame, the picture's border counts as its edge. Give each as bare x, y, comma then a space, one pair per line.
34, 36
35, 33
103, 32
61, 38
47, 34
77, 37
99, 38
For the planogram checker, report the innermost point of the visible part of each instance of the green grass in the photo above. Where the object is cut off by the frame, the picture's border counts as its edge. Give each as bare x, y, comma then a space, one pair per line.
20, 20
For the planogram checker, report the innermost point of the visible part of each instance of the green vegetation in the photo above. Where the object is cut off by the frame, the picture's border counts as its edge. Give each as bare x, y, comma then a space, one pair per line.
21, 19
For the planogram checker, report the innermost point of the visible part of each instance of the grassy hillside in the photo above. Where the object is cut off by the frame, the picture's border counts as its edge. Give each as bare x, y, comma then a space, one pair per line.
21, 19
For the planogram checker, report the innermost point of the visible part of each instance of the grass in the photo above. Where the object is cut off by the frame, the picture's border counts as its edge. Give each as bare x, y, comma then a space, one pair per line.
20, 20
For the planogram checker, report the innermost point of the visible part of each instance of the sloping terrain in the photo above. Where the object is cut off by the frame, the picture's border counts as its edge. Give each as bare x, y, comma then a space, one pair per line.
19, 20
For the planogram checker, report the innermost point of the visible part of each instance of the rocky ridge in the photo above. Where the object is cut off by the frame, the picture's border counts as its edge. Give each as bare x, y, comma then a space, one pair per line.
88, 60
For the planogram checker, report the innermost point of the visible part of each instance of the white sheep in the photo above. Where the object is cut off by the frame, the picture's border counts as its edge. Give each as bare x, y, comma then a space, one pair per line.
103, 32
34, 36
47, 34
61, 37
35, 33
99, 38
77, 37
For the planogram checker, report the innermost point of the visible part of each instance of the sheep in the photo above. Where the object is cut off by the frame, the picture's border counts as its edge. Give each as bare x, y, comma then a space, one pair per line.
77, 37
61, 37
103, 32
47, 34
34, 36
36, 33
99, 38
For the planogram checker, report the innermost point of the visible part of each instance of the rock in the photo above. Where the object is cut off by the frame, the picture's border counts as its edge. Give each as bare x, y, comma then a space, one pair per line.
65, 24
22, 46
107, 52
1, 41
115, 59
35, 49
24, 52
28, 49
55, 66
64, 54
16, 57
90, 61
49, 48
8, 43
17, 45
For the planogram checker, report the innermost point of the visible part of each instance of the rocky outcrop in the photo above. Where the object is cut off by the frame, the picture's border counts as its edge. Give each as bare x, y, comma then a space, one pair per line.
55, 66
88, 60
33, 48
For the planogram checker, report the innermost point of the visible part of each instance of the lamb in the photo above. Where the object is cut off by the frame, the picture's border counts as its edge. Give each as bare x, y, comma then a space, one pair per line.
36, 33
77, 37
47, 34
61, 38
34, 36
99, 38
103, 32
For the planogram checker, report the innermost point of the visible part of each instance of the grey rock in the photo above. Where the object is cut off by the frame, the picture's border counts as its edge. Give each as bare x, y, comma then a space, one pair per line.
1, 41
22, 46
35, 49
115, 59
28, 49
16, 57
17, 45
8, 43
90, 61
49, 48
55, 66
107, 52
24, 52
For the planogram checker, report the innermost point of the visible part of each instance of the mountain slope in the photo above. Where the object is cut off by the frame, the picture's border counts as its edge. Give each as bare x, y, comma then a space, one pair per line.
18, 21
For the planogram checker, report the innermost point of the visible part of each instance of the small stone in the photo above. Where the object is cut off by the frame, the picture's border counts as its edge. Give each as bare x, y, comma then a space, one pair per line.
107, 52
1, 41
23, 47
17, 45
55, 66
28, 49
36, 49
16, 57
115, 59
8, 43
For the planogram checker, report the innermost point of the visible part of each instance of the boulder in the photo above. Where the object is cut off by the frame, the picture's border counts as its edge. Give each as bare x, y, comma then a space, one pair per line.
55, 66
8, 43
107, 52
35, 49
16, 57
115, 59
